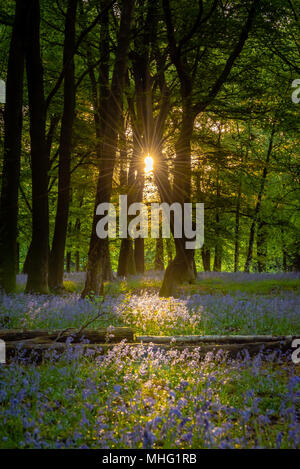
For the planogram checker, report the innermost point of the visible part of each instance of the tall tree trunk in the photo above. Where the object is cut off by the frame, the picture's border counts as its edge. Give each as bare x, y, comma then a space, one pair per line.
218, 259
159, 254
68, 262
261, 245
169, 250
77, 261
180, 270
126, 264
56, 264
37, 281
107, 269
159, 249
205, 253
284, 252
258, 204
218, 244
18, 259
237, 231
139, 255
182, 267
97, 251
77, 233
12, 149
26, 267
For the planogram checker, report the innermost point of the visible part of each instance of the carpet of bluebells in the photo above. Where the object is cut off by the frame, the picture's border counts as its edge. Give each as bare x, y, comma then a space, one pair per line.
129, 399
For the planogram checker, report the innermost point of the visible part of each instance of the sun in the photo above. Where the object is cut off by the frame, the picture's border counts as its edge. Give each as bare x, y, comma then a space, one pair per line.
148, 164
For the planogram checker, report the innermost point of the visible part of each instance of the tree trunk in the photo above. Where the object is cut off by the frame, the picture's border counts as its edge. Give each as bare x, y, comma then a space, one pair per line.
97, 251
26, 267
37, 281
126, 264
68, 262
18, 259
261, 245
77, 261
169, 250
258, 204
56, 264
182, 267
180, 270
139, 255
159, 254
205, 253
107, 269
218, 259
12, 149
237, 231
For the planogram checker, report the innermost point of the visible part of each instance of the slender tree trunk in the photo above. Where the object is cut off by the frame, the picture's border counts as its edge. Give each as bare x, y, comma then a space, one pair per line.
159, 254
77, 261
97, 251
218, 244
123, 155
107, 269
284, 260
296, 261
27, 260
182, 267
205, 253
126, 264
169, 250
12, 149
38, 269
261, 245
159, 249
56, 264
258, 204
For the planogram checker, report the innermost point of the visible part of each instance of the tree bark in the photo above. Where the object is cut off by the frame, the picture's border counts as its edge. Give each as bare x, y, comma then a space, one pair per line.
77, 261
159, 254
12, 149
126, 265
56, 264
181, 269
68, 262
183, 262
97, 251
37, 280
237, 231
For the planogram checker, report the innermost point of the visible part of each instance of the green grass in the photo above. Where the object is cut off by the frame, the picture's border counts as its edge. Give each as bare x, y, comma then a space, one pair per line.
223, 286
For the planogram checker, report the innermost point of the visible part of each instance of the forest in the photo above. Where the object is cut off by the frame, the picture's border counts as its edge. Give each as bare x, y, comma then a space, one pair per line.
170, 102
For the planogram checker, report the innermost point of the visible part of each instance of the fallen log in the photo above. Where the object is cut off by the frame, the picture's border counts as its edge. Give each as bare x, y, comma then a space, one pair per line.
113, 335
39, 351
217, 339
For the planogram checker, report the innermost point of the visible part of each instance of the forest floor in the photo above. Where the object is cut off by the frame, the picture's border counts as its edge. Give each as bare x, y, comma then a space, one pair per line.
161, 400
